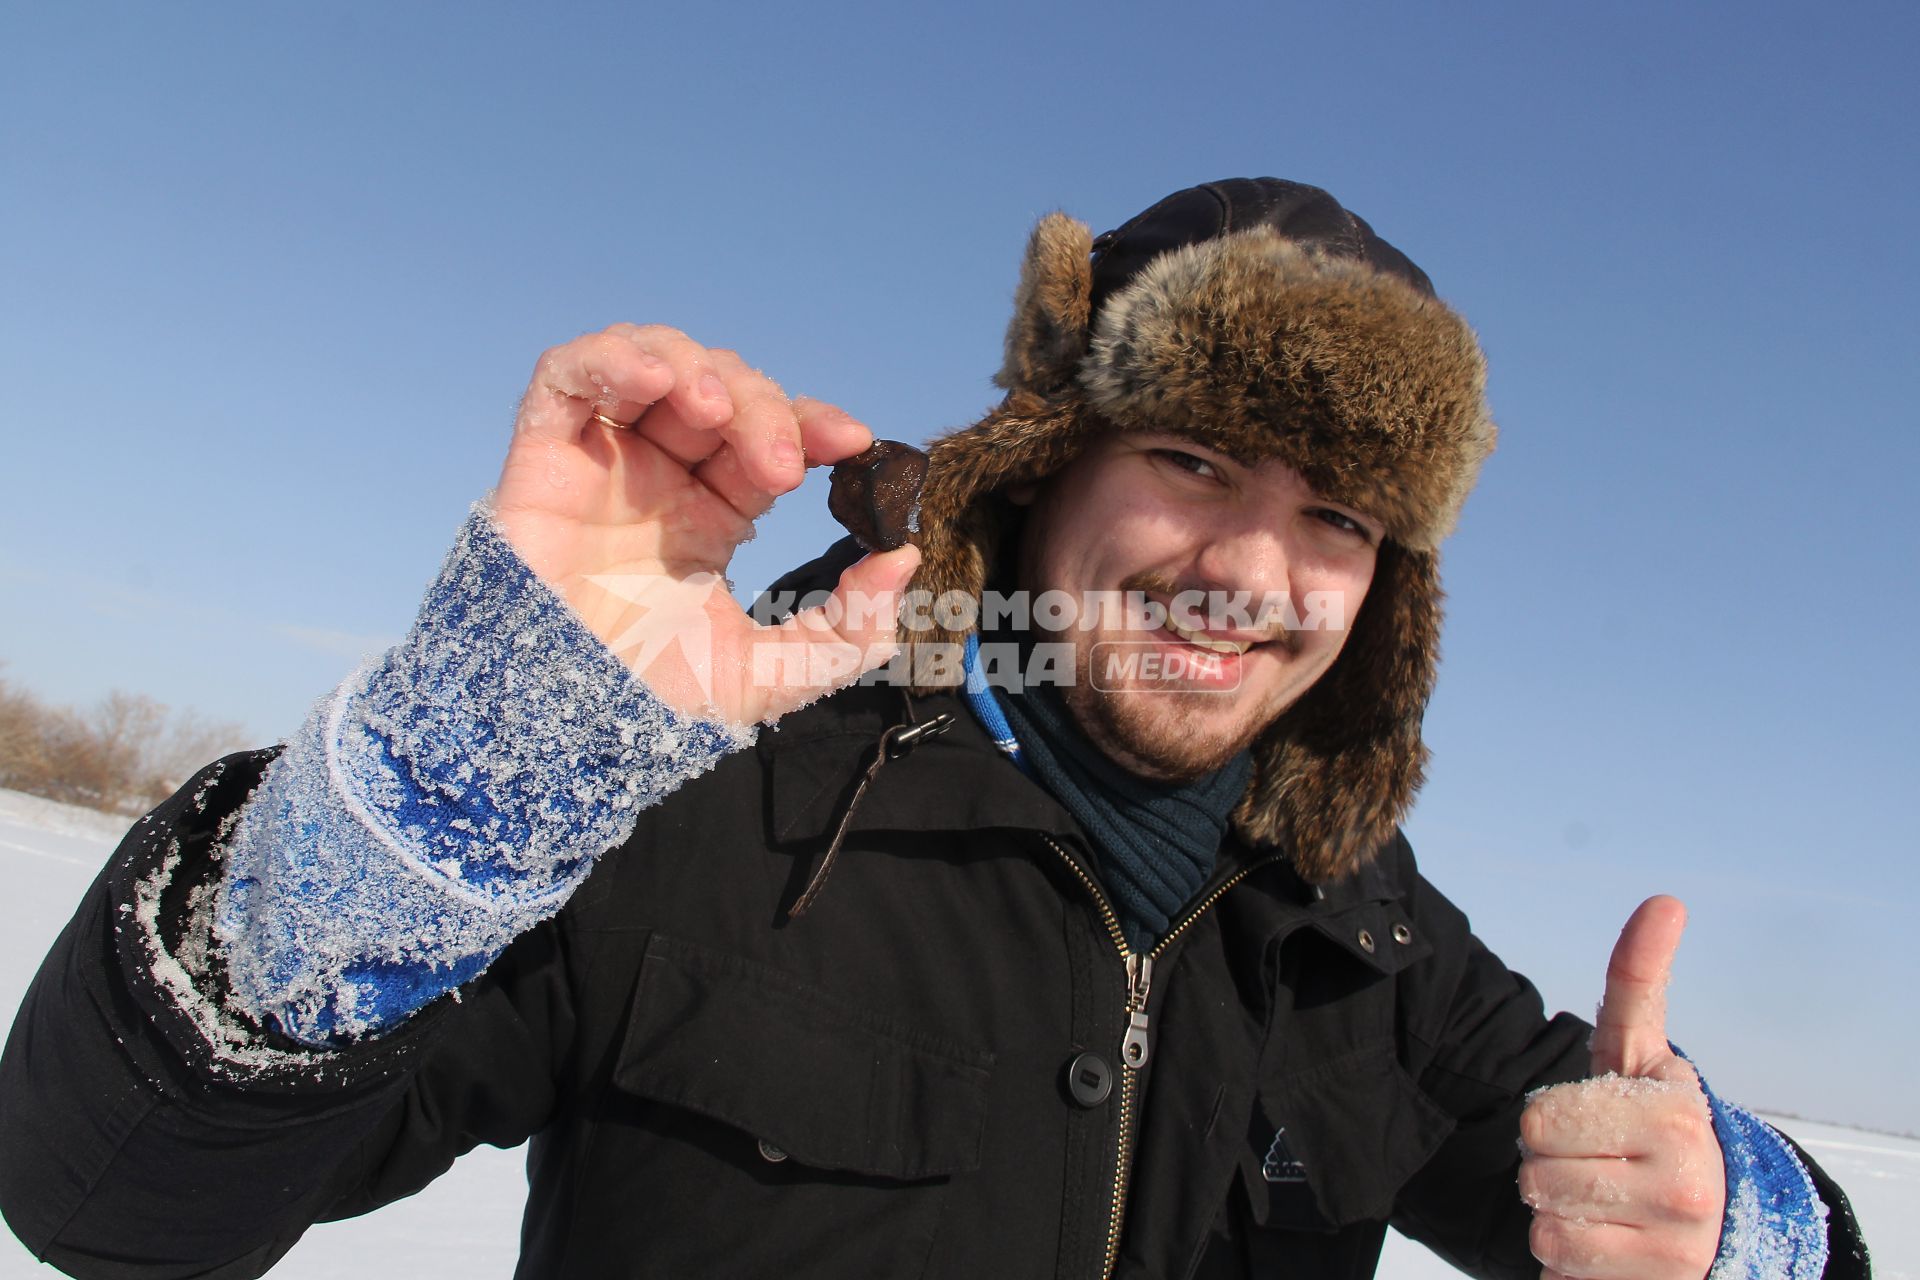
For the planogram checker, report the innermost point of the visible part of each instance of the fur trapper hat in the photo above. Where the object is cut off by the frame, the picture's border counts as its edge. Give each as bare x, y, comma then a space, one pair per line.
1260, 318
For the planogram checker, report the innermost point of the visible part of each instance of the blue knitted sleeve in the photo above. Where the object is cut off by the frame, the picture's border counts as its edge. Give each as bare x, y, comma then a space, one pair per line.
1776, 1224
447, 797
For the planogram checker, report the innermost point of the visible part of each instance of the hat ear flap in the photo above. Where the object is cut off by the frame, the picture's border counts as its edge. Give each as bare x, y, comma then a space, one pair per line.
1334, 775
1048, 333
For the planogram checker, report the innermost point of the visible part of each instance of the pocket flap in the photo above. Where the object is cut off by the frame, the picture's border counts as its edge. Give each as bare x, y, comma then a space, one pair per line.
1334, 1144
830, 1084
1377, 934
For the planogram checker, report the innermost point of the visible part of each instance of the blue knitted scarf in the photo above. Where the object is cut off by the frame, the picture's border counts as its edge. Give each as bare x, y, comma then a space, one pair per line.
1156, 842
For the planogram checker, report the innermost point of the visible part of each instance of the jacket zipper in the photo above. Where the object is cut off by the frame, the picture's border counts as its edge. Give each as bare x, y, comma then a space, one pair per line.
1135, 1046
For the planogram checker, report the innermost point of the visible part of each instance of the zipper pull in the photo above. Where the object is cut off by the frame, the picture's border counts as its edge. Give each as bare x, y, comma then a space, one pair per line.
1133, 1046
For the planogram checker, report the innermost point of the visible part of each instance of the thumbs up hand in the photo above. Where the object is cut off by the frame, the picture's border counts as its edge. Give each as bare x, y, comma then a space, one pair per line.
1622, 1171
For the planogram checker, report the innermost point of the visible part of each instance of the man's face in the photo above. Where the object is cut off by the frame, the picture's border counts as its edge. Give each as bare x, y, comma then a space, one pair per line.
1162, 516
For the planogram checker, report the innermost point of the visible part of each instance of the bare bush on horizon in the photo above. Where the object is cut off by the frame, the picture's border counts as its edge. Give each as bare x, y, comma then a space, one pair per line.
124, 755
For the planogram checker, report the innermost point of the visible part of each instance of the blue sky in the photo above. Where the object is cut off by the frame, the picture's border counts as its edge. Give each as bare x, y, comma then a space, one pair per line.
275, 276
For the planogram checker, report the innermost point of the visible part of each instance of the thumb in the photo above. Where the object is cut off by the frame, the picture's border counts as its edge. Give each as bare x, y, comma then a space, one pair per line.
1630, 1035
819, 650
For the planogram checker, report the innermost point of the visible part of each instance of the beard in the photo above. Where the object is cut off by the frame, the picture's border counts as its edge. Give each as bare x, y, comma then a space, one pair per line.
1159, 735
1166, 734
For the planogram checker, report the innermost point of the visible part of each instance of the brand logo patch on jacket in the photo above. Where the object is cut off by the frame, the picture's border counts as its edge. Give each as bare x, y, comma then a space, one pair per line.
1279, 1165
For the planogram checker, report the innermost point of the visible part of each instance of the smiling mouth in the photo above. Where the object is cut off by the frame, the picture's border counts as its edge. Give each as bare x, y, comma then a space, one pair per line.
1202, 640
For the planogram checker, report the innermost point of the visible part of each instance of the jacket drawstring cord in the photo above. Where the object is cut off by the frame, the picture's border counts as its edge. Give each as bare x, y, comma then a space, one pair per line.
897, 741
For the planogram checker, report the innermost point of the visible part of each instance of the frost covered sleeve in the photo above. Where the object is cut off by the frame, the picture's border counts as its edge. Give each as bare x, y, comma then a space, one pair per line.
443, 800
1776, 1224
134, 1147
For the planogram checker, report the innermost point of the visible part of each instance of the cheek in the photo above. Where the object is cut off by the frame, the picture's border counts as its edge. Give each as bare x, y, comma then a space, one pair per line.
1089, 556
1323, 611
1036, 563
1332, 590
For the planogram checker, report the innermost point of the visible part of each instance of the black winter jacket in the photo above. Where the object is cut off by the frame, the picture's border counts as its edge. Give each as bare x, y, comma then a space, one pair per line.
922, 1076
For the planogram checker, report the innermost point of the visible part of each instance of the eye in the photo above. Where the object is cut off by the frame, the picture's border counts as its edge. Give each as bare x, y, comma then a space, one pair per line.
1188, 462
1343, 522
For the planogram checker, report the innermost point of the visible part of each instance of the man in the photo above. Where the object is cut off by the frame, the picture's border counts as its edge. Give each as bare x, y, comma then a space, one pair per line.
1128, 973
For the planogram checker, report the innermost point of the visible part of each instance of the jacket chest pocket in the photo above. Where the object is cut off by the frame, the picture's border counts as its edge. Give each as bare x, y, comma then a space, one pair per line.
1332, 1145
762, 1126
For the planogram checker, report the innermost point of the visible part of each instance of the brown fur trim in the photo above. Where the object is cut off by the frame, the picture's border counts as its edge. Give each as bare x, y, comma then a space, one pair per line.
964, 514
1339, 770
1048, 334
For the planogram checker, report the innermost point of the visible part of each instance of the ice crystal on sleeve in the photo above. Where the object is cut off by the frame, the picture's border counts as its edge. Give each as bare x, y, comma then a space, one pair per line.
447, 797
1776, 1222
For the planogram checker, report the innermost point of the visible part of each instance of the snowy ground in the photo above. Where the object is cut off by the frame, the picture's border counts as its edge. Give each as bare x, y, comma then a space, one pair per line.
465, 1225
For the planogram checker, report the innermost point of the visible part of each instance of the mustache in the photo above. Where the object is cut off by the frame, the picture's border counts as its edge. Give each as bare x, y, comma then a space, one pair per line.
1164, 588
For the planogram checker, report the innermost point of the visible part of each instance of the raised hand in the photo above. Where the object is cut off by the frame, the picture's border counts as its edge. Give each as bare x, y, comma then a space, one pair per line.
639, 462
1622, 1171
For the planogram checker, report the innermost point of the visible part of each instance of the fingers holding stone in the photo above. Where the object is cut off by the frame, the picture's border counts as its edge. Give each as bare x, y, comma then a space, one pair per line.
829, 433
600, 371
764, 431
825, 435
687, 422
819, 650
689, 401
725, 473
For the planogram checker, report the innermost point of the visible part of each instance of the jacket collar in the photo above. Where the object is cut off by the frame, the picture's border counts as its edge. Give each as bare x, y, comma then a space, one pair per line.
957, 780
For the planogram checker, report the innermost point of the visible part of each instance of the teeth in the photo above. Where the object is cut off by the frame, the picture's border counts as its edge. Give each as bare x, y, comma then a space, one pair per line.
1206, 641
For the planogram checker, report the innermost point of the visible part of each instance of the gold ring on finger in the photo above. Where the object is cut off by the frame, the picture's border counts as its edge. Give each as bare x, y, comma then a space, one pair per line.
605, 421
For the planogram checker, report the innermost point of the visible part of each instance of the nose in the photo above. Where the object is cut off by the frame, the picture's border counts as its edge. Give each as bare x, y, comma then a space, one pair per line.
1247, 554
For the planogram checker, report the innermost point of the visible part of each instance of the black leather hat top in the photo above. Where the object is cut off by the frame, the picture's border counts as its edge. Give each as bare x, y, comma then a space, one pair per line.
1297, 211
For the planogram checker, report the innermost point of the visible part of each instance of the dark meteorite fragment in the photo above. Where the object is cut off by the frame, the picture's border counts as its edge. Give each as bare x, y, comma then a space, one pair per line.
876, 494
